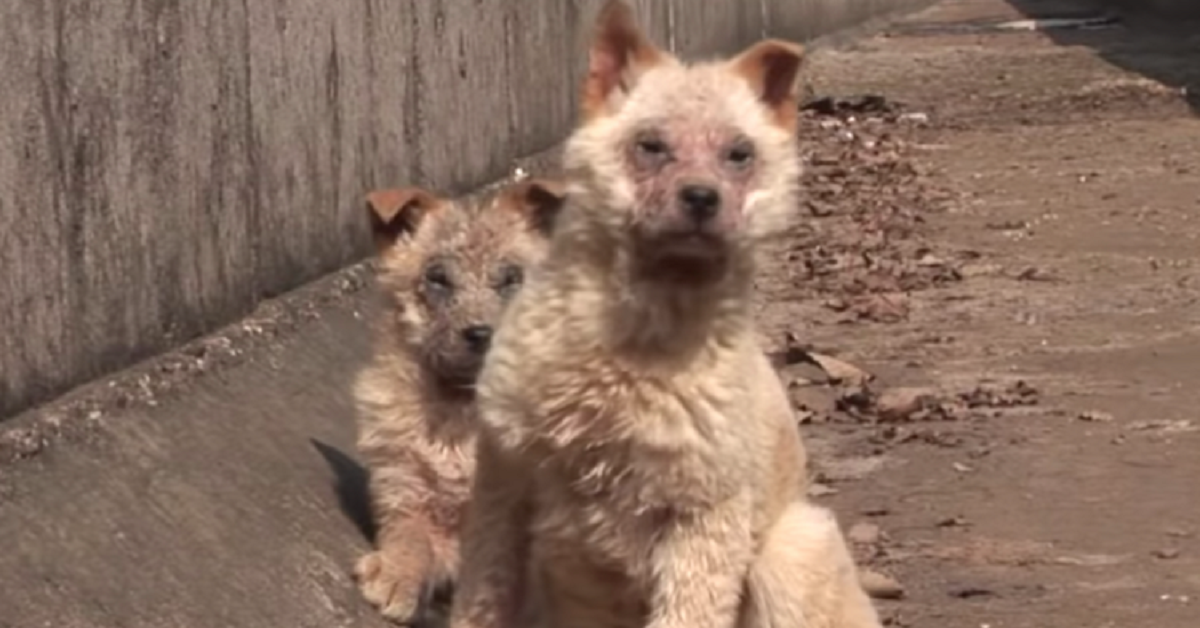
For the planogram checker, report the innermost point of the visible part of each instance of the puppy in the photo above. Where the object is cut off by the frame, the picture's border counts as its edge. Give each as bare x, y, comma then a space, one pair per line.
639, 462
447, 269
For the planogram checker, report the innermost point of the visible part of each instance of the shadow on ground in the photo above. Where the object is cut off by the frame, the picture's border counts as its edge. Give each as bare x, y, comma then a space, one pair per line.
351, 487
1165, 48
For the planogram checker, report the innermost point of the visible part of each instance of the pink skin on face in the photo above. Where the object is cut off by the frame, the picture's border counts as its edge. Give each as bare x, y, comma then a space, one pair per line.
664, 161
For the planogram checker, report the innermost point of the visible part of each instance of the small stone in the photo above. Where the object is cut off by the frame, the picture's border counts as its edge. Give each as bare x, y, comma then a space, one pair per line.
1166, 426
1035, 274
952, 522
881, 308
980, 270
805, 416
970, 592
899, 404
805, 374
821, 209
1090, 560
1166, 553
880, 586
816, 489
864, 533
1009, 225
840, 371
813, 404
1095, 416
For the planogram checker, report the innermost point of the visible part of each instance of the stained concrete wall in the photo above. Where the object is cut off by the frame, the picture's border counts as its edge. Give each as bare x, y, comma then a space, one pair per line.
165, 164
1166, 8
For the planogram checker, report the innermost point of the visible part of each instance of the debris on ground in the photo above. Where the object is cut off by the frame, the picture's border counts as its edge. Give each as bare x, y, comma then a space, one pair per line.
1046, 274
880, 586
1166, 553
1034, 273
971, 592
1177, 426
911, 405
888, 307
952, 522
1095, 416
861, 103
901, 404
864, 250
864, 533
817, 489
841, 372
1018, 393
828, 389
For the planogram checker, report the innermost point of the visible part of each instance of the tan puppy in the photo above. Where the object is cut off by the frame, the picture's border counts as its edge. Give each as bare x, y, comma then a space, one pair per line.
640, 463
447, 268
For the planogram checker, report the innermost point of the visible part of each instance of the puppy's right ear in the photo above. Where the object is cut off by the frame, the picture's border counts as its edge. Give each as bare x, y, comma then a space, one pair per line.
619, 54
772, 68
397, 212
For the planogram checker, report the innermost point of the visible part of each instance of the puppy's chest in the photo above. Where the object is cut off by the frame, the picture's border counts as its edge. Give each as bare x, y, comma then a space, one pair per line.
449, 445
599, 536
446, 445
454, 468
630, 445
616, 454
449, 472
602, 511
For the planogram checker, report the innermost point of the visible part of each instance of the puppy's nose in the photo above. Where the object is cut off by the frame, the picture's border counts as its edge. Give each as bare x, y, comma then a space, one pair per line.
478, 337
700, 202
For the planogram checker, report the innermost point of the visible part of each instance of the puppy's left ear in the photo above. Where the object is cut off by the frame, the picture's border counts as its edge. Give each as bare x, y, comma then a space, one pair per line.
539, 201
619, 54
772, 68
397, 213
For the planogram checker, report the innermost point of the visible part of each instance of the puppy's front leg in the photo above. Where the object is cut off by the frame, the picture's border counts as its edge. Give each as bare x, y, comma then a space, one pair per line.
393, 576
701, 565
494, 544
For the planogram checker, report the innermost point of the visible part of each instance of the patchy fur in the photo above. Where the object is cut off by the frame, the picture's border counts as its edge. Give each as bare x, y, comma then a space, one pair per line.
447, 269
639, 463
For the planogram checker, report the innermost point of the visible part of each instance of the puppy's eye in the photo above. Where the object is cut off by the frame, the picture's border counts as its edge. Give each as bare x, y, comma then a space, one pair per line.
650, 152
437, 277
511, 278
740, 155
651, 147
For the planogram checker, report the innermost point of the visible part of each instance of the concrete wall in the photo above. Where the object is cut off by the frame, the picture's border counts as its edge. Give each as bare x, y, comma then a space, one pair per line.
165, 164
1165, 8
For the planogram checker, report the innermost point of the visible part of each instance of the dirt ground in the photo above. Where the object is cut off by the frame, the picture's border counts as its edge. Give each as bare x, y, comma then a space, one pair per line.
999, 251
1034, 273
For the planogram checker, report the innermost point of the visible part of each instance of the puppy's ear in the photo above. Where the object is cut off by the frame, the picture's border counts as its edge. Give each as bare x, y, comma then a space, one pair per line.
772, 67
618, 55
538, 201
396, 213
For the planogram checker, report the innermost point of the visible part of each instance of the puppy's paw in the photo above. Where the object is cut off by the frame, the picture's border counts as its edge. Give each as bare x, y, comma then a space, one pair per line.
394, 587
